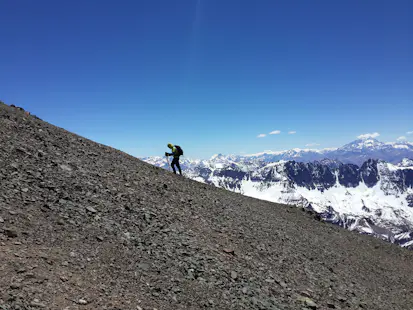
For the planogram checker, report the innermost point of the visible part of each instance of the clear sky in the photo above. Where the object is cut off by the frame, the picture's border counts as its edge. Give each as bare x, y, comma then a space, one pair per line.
211, 75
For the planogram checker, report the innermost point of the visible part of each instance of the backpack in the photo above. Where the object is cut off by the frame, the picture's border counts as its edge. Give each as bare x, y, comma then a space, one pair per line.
179, 149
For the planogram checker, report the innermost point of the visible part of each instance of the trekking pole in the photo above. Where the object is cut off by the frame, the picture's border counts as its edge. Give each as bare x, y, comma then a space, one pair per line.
169, 166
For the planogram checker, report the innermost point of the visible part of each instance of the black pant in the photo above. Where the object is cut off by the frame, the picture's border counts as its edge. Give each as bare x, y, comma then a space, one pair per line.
175, 162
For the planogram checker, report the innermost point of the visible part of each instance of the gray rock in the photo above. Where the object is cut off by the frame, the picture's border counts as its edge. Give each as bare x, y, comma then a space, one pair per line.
82, 301
65, 168
91, 209
30, 276
11, 232
15, 165
144, 266
176, 289
21, 270
191, 274
37, 304
309, 303
234, 275
15, 286
283, 284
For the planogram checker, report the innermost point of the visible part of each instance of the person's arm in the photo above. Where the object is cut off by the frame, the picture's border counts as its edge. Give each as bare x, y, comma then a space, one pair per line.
174, 152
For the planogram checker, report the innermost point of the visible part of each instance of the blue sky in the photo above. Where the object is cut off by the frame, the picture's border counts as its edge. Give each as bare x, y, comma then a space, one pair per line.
211, 75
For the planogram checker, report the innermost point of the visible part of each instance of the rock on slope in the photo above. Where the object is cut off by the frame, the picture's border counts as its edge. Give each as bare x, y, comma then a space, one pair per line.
84, 226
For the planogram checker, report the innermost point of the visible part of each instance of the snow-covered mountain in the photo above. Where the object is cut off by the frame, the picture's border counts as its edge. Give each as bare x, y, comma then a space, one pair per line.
360, 150
306, 155
355, 152
375, 197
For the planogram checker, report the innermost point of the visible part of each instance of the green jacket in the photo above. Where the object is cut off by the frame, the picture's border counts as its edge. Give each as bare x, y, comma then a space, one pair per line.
174, 152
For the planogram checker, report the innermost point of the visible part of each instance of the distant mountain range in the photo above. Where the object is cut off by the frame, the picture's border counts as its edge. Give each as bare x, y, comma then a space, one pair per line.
365, 185
355, 152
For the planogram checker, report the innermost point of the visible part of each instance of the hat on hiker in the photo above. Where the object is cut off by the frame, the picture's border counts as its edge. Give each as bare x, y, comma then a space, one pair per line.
170, 145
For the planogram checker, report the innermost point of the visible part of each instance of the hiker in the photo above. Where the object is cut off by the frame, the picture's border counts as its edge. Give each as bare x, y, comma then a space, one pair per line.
176, 152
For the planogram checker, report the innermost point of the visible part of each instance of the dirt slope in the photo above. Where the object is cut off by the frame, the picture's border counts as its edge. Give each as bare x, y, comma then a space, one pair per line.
84, 226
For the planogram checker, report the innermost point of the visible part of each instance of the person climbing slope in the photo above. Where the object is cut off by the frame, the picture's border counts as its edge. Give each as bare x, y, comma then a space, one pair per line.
176, 152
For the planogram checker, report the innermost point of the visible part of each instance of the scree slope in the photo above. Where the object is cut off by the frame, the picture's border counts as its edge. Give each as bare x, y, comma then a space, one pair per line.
85, 226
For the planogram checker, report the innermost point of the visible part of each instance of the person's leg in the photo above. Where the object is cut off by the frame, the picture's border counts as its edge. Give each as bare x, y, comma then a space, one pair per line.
179, 166
173, 165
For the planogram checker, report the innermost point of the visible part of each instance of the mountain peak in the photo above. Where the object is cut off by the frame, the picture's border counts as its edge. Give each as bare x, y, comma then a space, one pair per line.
406, 162
215, 156
362, 143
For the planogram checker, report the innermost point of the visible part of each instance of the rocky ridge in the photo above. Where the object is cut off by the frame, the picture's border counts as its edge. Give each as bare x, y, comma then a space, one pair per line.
85, 226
